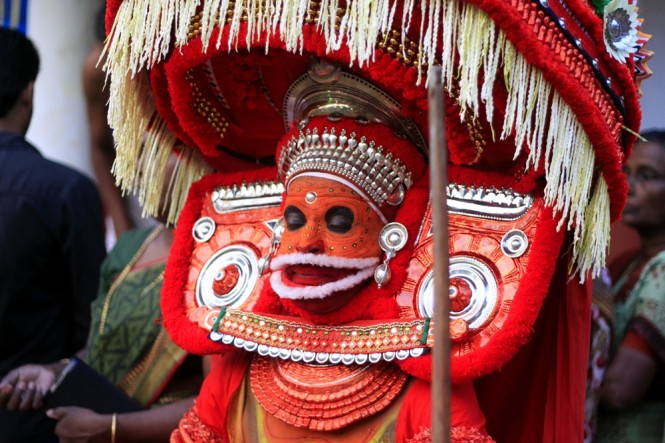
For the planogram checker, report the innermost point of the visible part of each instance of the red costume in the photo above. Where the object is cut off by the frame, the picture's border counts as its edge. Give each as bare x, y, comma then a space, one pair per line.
313, 279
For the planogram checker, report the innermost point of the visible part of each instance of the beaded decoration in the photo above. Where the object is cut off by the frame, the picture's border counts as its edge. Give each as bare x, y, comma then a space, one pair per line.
382, 178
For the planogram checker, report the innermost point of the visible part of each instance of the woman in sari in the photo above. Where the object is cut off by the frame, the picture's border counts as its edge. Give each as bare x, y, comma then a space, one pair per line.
127, 345
632, 392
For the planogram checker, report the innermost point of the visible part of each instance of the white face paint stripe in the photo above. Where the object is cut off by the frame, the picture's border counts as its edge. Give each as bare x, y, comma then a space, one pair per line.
302, 258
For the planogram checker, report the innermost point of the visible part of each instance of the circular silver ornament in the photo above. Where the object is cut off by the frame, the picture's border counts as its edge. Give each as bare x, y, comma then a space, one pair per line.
484, 291
393, 237
244, 260
310, 197
203, 229
514, 243
618, 25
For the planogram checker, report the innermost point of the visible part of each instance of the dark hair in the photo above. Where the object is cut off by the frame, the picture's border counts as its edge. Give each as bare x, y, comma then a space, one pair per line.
656, 136
100, 25
19, 65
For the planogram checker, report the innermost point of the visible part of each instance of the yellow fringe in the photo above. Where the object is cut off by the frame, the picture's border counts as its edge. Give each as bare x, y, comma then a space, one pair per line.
472, 44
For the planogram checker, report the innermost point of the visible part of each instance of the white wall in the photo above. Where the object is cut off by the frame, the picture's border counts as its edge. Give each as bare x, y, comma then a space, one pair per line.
63, 32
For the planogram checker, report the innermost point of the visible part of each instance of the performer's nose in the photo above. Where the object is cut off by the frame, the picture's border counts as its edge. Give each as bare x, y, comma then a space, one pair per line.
311, 246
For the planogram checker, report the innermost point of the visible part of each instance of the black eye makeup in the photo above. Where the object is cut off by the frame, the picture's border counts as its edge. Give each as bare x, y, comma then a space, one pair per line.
294, 218
339, 219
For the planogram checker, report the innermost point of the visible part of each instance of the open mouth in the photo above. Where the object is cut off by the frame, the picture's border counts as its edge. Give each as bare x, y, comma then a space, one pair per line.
310, 275
314, 276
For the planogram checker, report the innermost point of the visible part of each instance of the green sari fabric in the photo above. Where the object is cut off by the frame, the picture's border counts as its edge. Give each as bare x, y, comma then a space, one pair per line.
642, 311
133, 340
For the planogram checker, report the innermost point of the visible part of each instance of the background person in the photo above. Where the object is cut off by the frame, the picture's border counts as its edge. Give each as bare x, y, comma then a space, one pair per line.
51, 238
632, 391
123, 212
127, 345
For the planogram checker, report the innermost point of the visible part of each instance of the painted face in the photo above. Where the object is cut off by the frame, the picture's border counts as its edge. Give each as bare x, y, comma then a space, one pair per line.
329, 248
645, 172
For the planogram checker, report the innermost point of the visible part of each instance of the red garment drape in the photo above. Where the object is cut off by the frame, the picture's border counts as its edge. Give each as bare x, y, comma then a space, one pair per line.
539, 395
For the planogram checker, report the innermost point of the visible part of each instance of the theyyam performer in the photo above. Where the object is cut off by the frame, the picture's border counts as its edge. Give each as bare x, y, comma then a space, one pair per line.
303, 259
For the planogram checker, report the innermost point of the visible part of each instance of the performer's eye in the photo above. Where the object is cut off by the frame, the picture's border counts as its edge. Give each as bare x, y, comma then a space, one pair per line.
294, 217
339, 219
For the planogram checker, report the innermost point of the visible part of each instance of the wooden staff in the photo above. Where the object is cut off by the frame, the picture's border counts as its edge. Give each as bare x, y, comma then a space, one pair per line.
439, 181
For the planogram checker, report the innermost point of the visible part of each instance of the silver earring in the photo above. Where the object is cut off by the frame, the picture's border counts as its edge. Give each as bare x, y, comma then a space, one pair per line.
264, 262
392, 239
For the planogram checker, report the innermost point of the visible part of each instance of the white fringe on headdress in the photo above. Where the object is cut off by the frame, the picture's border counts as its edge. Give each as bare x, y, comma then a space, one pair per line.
473, 46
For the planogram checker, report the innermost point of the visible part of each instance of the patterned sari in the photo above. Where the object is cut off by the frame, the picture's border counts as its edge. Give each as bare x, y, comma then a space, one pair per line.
127, 343
640, 307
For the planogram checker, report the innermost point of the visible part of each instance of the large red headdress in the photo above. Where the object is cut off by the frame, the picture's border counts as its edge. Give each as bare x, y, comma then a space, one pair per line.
541, 112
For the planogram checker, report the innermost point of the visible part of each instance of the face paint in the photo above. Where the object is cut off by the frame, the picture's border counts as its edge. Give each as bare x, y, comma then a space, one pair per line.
330, 242
338, 222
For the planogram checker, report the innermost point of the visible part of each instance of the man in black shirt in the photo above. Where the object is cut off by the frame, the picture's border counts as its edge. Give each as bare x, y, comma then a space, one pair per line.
51, 243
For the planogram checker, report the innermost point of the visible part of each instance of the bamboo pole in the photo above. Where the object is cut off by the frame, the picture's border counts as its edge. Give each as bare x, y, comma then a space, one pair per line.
439, 181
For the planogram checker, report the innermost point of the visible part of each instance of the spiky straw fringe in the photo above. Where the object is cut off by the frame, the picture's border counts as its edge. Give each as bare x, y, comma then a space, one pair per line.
471, 45
153, 163
189, 169
131, 108
595, 241
144, 143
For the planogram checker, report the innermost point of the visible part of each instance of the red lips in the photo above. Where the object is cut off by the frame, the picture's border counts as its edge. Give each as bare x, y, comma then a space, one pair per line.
309, 275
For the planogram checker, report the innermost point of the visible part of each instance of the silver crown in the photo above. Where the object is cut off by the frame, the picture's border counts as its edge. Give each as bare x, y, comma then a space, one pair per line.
383, 178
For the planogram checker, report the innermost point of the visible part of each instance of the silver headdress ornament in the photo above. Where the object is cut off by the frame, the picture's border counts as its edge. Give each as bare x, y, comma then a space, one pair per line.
380, 176
328, 91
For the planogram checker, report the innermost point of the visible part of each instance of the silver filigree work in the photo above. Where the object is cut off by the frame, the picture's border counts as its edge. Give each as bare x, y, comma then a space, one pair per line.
359, 161
203, 229
487, 202
392, 239
247, 196
326, 90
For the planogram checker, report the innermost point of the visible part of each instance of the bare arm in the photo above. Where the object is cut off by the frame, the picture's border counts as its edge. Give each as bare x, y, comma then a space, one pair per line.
153, 425
101, 141
627, 379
